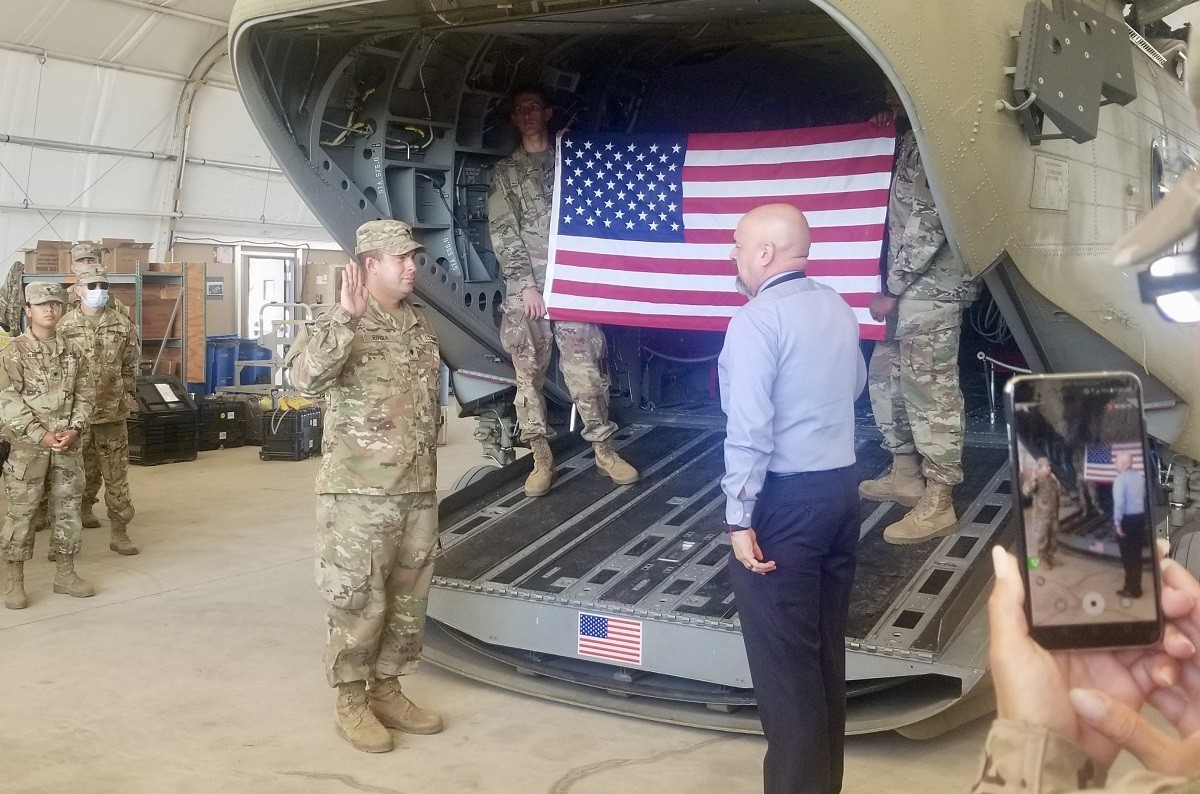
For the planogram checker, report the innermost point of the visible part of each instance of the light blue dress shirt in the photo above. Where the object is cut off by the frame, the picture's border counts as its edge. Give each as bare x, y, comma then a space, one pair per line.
790, 372
1129, 495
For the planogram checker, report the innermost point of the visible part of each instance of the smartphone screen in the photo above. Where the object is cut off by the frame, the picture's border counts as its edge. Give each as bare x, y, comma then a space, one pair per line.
1082, 486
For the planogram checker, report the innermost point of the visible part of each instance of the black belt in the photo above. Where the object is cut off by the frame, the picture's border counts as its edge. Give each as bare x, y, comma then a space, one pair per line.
800, 476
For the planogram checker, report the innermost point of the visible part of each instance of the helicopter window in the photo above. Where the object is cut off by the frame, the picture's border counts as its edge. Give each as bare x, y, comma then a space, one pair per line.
1168, 165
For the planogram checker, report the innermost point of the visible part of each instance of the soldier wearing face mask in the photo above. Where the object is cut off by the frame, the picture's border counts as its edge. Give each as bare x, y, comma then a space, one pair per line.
84, 256
112, 345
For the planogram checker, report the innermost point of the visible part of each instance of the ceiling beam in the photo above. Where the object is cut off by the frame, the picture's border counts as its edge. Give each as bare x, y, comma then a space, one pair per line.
121, 67
142, 5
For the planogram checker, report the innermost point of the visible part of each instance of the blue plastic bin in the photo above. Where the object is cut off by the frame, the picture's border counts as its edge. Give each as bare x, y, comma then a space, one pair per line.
251, 350
220, 353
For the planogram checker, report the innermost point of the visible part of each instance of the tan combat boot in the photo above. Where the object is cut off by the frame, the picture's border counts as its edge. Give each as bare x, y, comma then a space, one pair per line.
395, 710
67, 582
613, 465
933, 517
542, 477
14, 586
356, 723
903, 483
120, 542
88, 517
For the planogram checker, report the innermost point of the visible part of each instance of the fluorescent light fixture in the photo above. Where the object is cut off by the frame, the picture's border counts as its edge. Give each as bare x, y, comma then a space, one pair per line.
1172, 284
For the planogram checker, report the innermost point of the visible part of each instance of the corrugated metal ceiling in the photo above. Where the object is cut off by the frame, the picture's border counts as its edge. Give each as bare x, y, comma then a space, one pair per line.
137, 33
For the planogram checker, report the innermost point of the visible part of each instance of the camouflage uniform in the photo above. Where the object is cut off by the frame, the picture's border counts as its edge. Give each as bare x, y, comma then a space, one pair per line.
519, 210
377, 508
1042, 523
1019, 757
46, 389
12, 299
913, 377
111, 343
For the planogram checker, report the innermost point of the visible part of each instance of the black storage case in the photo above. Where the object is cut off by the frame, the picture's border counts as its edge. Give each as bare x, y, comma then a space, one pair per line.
163, 428
291, 434
222, 423
252, 414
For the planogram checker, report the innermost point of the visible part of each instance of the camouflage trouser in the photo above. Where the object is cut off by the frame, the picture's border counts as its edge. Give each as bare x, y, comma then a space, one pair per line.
1042, 539
581, 352
915, 396
30, 475
106, 457
374, 567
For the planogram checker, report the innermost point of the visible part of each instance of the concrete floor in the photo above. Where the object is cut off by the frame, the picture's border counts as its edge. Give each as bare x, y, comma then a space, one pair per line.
197, 668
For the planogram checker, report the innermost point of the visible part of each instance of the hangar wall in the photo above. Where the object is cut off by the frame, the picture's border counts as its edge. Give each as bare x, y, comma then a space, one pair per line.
52, 194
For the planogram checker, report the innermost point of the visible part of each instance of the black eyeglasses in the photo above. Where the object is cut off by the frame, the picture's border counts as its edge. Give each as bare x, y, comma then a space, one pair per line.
97, 285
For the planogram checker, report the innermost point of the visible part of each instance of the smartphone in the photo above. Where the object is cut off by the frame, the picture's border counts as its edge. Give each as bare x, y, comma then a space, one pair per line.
1081, 487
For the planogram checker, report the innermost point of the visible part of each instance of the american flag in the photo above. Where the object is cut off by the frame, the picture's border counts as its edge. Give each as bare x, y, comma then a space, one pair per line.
1098, 464
642, 225
616, 639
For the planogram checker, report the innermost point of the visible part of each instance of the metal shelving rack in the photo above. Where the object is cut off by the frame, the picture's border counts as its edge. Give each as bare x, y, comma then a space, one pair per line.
151, 347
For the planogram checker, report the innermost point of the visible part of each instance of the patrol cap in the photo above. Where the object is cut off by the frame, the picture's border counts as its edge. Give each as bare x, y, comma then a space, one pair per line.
85, 251
38, 292
390, 237
86, 275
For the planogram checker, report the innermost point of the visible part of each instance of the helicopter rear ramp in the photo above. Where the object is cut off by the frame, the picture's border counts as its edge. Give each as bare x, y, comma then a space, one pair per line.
518, 578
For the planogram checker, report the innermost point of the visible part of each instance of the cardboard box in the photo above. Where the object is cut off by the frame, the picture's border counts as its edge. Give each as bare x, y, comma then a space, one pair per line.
119, 255
50, 256
166, 267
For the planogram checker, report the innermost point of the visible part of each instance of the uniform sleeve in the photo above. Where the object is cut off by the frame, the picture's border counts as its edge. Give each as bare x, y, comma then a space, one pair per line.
84, 398
1019, 757
320, 351
923, 234
504, 224
15, 413
860, 376
129, 361
747, 382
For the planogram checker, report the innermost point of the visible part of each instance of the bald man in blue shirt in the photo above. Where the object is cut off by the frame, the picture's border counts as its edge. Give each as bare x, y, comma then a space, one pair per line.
1130, 522
790, 371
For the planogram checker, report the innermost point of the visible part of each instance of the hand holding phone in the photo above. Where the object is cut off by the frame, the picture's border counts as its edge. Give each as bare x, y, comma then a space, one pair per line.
1034, 685
1081, 492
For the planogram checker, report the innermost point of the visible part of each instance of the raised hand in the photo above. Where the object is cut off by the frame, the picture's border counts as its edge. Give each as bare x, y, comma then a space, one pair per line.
354, 290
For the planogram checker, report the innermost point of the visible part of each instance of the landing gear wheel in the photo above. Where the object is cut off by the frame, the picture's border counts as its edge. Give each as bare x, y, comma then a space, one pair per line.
473, 475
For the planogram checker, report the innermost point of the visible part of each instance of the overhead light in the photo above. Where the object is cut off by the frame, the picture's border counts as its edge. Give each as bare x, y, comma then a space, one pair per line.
1172, 284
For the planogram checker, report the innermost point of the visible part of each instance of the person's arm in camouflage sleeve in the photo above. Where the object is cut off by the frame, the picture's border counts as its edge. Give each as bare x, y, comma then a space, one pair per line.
504, 224
923, 234
320, 351
129, 361
15, 413
84, 398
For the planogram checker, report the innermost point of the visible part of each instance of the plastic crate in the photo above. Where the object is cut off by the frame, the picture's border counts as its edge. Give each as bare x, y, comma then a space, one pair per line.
291, 434
221, 423
163, 429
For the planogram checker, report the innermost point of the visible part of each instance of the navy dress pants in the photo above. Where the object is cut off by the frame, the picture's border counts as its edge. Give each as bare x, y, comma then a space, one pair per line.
794, 624
1133, 549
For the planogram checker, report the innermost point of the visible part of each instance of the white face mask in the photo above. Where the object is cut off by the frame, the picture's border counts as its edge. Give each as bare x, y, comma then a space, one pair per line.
95, 298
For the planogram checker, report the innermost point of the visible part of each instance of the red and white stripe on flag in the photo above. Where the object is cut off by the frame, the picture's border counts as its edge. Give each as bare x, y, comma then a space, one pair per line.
642, 225
1099, 463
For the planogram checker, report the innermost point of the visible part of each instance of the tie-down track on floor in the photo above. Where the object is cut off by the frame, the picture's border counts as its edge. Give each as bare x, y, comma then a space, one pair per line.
517, 576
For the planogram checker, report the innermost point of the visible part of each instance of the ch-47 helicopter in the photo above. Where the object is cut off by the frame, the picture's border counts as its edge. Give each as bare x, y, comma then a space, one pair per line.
1048, 130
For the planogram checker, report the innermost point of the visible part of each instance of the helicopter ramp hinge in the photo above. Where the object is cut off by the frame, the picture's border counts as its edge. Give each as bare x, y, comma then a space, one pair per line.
1071, 59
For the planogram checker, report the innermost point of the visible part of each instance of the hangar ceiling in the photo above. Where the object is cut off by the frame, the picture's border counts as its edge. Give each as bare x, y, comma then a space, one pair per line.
107, 106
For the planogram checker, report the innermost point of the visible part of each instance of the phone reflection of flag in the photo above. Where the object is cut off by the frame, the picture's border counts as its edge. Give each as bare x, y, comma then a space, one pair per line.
1098, 465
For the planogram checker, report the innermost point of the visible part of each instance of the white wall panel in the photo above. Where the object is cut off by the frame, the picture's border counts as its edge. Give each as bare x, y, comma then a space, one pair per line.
70, 102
